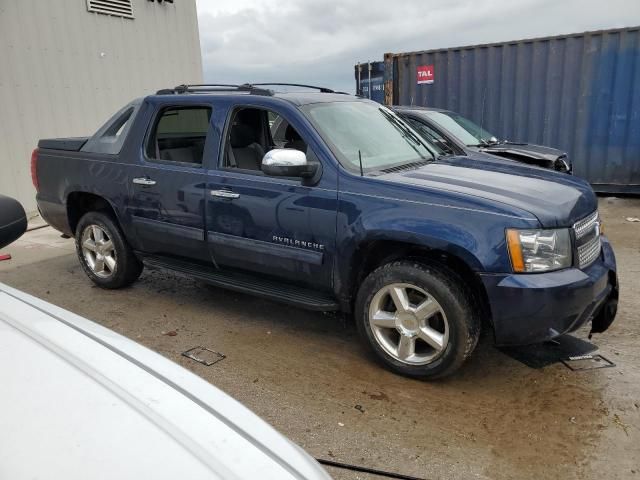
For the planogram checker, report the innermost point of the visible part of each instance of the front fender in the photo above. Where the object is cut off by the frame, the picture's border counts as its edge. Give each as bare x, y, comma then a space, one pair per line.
474, 236
433, 236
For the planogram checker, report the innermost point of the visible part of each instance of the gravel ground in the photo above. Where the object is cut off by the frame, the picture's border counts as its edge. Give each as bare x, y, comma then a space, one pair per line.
308, 375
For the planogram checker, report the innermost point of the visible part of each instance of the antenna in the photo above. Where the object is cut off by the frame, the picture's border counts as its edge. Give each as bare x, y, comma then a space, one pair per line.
360, 158
484, 97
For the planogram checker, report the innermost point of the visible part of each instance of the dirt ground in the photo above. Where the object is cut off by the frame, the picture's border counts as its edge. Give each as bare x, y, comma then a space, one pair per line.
309, 376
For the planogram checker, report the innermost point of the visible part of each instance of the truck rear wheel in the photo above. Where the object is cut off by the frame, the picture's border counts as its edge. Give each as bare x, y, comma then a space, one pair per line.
417, 319
104, 254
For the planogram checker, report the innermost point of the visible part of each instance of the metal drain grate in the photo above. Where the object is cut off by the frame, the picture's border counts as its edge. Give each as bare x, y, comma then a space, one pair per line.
203, 355
587, 362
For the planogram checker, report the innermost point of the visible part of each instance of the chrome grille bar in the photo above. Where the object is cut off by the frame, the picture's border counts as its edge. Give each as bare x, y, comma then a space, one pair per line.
587, 233
584, 226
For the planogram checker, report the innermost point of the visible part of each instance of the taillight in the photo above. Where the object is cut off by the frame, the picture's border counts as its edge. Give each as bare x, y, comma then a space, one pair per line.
34, 169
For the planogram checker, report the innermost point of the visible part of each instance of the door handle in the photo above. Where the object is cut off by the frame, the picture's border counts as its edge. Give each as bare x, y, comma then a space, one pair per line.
144, 181
224, 194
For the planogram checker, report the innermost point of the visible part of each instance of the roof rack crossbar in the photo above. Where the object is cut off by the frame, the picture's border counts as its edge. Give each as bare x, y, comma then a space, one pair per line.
253, 88
322, 89
214, 87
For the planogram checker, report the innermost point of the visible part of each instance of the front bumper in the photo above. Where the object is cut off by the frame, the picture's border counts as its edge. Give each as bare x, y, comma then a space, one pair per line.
532, 308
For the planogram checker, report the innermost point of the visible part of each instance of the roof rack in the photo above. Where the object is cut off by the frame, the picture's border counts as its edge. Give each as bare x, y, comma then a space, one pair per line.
251, 88
214, 87
322, 89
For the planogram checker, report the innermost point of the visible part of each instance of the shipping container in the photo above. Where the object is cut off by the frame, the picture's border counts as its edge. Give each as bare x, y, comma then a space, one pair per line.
579, 93
369, 80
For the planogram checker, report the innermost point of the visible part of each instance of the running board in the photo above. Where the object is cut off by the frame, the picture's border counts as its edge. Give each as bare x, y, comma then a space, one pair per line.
273, 290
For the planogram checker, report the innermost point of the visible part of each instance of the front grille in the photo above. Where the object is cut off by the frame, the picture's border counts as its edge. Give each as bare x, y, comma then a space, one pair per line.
588, 252
587, 233
582, 227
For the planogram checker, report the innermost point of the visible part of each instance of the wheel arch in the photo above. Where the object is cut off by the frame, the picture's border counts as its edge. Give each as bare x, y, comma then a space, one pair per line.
79, 203
460, 262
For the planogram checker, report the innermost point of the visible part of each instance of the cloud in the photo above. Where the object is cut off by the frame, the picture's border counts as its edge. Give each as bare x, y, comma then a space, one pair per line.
316, 42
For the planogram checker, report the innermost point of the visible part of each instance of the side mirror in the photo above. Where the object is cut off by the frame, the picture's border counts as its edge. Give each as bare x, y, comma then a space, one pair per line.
13, 220
287, 162
493, 140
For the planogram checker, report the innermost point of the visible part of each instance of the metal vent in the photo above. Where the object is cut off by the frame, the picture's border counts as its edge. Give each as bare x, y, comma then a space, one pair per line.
406, 166
118, 8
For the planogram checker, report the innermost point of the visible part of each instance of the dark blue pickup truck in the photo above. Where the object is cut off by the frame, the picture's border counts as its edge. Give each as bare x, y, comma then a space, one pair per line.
332, 202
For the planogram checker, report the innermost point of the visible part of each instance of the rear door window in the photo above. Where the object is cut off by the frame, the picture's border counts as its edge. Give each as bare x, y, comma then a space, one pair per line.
179, 135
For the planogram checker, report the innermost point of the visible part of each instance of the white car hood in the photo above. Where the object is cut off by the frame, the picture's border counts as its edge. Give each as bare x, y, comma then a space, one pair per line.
79, 401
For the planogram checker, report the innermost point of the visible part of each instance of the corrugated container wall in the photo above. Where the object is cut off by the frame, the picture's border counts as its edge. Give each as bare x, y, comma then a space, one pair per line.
579, 93
64, 70
369, 80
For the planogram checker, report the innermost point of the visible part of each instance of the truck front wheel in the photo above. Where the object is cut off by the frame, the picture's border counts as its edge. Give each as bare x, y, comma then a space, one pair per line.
418, 319
104, 254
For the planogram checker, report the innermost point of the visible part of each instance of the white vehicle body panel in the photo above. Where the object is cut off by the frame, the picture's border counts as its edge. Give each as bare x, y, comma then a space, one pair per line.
78, 401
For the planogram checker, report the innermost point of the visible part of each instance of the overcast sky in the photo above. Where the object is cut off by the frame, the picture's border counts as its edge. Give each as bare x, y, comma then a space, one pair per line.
319, 42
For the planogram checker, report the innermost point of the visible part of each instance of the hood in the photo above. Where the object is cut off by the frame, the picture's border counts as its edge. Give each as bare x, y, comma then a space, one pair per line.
480, 160
556, 199
527, 150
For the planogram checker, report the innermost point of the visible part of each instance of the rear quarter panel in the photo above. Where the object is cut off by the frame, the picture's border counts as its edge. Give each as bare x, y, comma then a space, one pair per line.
61, 173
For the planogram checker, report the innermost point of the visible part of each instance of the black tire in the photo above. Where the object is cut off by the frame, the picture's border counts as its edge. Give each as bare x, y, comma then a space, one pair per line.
127, 267
456, 306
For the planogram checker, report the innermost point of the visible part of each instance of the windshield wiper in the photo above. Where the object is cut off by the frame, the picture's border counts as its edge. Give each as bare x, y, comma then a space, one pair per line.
482, 143
406, 133
402, 127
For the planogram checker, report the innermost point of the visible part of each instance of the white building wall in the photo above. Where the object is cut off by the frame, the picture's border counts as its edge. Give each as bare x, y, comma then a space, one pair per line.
64, 71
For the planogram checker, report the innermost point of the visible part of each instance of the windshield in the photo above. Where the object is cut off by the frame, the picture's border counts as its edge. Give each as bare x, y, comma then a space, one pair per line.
369, 131
462, 128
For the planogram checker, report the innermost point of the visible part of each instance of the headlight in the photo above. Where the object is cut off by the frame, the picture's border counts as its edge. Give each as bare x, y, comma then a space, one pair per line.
539, 250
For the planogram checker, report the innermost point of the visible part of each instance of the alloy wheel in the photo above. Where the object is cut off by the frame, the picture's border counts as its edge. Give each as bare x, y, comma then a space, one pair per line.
408, 323
98, 251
